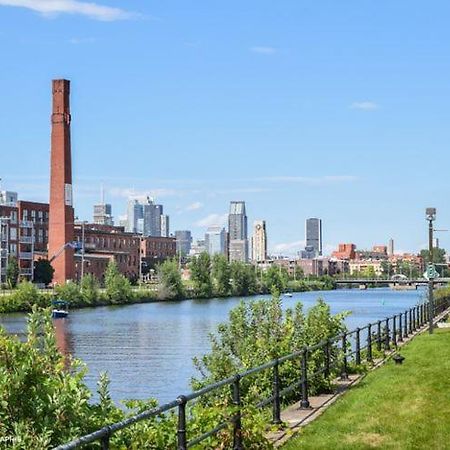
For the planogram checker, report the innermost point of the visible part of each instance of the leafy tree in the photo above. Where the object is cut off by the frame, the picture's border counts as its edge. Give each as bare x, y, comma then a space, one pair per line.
89, 287
170, 283
275, 278
118, 287
201, 275
12, 272
43, 271
221, 274
244, 281
438, 255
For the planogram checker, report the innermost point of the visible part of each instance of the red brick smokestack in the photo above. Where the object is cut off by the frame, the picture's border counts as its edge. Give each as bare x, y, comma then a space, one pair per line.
61, 220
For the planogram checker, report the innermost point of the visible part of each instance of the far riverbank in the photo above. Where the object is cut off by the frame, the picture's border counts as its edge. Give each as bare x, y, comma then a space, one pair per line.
26, 296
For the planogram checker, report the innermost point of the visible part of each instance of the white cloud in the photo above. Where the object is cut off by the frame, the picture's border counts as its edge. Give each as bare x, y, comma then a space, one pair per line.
76, 41
289, 247
365, 105
194, 206
263, 50
212, 219
328, 179
88, 9
133, 193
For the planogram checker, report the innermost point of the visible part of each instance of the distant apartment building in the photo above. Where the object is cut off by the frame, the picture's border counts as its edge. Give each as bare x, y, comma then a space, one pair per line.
8, 198
345, 252
215, 240
238, 232
259, 241
23, 235
183, 241
103, 214
313, 237
366, 267
198, 247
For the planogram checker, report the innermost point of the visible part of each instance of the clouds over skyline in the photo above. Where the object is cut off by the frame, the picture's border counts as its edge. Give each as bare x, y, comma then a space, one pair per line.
365, 105
212, 219
88, 9
263, 50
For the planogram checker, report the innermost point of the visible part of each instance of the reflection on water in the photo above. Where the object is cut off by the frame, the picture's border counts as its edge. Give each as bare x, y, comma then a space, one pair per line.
147, 349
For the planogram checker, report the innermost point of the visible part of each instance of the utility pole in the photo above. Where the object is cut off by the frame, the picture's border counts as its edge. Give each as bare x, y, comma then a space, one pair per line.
431, 216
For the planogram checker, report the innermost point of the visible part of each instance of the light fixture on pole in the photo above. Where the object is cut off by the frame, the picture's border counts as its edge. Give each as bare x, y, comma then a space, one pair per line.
431, 271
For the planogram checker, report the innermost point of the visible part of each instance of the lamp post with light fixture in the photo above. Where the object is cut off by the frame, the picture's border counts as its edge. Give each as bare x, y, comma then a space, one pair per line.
430, 216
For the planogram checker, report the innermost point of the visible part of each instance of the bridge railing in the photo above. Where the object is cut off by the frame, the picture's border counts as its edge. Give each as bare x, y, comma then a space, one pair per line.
355, 347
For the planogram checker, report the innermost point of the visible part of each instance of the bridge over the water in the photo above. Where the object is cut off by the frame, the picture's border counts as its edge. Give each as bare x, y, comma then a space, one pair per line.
394, 281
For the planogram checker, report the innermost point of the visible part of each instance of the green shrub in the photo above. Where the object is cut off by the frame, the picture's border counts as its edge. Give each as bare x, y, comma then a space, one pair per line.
90, 290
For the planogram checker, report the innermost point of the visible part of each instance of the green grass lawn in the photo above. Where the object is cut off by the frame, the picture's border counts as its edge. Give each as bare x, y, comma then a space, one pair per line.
394, 407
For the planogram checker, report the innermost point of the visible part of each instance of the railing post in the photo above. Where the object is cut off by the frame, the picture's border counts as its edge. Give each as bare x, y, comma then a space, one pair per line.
304, 404
358, 347
400, 327
237, 420
394, 330
327, 359
344, 369
104, 443
414, 318
410, 321
369, 343
406, 324
379, 335
276, 409
387, 337
181, 430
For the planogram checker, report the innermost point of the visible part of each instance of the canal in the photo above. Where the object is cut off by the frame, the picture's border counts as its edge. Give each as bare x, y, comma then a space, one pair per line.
147, 349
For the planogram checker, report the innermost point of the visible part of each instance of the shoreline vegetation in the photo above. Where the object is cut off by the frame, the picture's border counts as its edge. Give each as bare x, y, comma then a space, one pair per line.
210, 278
62, 408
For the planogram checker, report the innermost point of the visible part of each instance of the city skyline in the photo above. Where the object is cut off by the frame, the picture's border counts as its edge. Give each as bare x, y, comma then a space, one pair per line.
343, 147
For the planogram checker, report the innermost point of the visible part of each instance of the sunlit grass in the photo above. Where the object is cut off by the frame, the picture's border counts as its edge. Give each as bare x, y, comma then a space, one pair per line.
394, 407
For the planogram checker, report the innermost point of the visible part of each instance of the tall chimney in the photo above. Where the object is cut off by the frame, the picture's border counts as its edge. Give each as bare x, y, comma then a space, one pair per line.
61, 220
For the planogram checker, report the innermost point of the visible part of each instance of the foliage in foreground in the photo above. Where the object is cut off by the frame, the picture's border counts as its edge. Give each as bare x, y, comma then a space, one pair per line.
45, 402
260, 331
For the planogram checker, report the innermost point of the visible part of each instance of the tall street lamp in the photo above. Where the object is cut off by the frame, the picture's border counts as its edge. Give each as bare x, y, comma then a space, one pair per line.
430, 216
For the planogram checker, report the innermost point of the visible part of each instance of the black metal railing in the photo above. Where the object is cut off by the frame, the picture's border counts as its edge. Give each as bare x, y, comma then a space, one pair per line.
339, 353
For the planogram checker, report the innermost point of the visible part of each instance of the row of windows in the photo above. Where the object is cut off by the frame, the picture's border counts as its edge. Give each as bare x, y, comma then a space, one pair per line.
42, 216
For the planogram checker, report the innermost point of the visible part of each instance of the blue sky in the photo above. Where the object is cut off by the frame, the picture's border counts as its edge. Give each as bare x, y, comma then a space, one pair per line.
335, 109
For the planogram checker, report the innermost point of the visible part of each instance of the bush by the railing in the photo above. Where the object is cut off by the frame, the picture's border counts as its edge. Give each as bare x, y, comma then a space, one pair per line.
260, 331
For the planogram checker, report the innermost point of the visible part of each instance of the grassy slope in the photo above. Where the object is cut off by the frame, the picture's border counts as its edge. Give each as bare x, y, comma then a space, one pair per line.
394, 407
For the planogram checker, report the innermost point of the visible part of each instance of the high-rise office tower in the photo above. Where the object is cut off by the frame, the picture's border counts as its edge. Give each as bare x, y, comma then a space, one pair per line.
183, 241
238, 234
144, 217
391, 247
134, 213
259, 241
215, 240
165, 225
151, 214
313, 236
